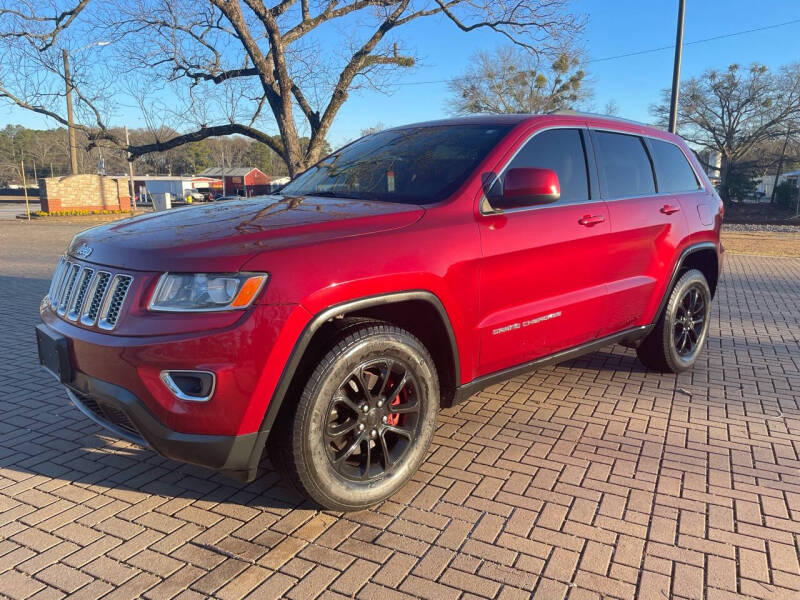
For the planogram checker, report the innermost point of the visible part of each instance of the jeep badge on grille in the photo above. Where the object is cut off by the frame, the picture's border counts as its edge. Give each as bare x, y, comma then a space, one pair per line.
83, 251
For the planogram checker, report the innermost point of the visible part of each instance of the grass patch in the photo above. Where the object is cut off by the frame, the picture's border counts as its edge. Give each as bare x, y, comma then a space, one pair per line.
762, 243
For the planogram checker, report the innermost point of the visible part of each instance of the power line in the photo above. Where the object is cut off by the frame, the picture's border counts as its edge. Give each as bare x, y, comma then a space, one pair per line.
704, 40
649, 51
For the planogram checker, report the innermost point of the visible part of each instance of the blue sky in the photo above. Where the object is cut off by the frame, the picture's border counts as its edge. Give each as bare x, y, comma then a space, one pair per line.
613, 28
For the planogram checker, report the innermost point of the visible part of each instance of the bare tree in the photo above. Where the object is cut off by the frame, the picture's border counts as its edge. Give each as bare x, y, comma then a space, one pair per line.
236, 66
512, 80
734, 112
611, 108
379, 126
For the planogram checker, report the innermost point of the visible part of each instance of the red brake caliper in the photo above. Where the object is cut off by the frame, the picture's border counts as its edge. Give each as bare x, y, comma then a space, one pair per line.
393, 419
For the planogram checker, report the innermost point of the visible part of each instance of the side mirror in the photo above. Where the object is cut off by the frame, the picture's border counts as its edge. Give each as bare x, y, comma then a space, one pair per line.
530, 186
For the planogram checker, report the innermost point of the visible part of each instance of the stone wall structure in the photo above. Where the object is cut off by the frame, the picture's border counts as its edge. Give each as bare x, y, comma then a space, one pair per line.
84, 192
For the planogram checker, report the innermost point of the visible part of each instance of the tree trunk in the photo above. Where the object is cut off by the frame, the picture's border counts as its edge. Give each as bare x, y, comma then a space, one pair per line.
313, 155
724, 173
295, 161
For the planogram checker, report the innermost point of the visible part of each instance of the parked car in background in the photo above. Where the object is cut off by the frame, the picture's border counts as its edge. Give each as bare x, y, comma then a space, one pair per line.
403, 273
194, 195
144, 199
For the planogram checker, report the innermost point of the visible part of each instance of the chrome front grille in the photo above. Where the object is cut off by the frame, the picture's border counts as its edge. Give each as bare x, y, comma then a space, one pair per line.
97, 293
67, 287
113, 302
76, 303
96, 297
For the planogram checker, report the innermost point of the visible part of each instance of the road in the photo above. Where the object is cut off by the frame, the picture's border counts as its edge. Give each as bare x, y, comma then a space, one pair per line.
10, 210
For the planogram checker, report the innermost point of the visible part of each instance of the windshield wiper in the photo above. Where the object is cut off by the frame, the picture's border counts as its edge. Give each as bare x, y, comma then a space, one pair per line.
330, 194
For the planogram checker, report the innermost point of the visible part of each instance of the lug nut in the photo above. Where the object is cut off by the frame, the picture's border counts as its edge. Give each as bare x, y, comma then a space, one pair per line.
385, 419
361, 427
365, 407
373, 433
380, 403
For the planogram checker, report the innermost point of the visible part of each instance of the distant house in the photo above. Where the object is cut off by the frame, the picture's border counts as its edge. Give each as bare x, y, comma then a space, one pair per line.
241, 181
792, 177
177, 186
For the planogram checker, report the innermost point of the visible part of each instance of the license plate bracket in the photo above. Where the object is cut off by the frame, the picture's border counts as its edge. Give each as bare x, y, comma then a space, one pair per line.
54, 354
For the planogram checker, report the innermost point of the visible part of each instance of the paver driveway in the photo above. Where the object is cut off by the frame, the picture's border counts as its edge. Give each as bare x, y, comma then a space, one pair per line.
591, 479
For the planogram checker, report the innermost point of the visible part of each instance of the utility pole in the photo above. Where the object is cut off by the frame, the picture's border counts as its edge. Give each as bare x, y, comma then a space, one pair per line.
25, 190
130, 171
676, 70
224, 190
73, 153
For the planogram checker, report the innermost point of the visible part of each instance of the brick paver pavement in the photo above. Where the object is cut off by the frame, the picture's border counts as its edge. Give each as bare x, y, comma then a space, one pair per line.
587, 480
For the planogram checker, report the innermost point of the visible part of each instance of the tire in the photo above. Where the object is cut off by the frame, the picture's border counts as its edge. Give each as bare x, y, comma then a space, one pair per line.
346, 457
682, 329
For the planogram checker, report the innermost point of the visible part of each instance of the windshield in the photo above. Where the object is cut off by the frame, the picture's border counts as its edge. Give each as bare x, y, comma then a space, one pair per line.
415, 165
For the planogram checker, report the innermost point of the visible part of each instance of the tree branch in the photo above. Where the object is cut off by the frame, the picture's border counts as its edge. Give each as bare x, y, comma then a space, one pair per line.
353, 67
203, 133
60, 22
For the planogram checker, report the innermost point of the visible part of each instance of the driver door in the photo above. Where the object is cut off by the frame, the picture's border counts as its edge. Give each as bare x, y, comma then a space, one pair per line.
542, 284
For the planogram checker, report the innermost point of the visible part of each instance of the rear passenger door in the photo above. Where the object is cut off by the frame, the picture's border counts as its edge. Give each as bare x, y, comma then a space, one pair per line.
646, 228
542, 285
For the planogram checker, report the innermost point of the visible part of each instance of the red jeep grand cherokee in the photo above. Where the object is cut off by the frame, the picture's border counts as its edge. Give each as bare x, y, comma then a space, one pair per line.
403, 273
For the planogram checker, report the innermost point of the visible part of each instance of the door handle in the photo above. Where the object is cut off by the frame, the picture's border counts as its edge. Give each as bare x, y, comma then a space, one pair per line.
668, 209
591, 220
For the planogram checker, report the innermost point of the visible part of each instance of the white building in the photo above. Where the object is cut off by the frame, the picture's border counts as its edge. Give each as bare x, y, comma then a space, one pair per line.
176, 186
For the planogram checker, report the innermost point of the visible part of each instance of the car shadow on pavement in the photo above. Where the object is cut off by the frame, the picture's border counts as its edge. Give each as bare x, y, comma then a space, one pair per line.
96, 459
608, 360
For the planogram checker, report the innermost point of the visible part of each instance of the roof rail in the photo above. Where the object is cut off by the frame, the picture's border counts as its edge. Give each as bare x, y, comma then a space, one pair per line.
579, 113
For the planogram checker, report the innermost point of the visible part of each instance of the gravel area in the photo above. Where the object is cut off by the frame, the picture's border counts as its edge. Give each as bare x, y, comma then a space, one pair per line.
758, 228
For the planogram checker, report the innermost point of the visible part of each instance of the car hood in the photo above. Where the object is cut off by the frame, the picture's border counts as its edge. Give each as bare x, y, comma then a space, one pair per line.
222, 236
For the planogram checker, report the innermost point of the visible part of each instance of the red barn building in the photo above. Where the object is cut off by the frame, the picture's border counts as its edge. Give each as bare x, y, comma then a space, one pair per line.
241, 181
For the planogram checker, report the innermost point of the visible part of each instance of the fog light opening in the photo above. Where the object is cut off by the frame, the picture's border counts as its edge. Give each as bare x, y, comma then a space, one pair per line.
192, 386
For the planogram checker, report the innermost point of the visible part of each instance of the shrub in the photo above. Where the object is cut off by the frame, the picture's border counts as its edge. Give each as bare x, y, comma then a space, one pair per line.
786, 195
740, 182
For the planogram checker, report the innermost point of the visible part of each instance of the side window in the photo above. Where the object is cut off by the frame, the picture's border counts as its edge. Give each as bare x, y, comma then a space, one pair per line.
624, 165
672, 169
561, 150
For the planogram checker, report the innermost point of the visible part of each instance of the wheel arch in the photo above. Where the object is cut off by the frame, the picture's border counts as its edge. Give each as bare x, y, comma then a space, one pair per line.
704, 257
705, 260
419, 311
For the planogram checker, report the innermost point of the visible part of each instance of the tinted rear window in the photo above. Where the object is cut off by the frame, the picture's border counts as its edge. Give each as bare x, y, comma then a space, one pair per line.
672, 169
416, 165
624, 165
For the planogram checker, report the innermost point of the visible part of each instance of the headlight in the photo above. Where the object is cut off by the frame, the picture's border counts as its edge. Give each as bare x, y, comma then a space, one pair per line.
204, 292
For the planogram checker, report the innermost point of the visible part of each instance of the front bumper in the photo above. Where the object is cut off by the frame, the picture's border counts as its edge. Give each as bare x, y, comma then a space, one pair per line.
115, 381
247, 360
119, 411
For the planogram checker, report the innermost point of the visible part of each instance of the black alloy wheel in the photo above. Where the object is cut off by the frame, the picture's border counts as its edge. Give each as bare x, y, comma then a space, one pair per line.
689, 322
678, 337
364, 420
373, 420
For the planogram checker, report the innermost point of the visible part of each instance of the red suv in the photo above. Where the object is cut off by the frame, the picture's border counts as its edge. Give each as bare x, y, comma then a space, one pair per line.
402, 273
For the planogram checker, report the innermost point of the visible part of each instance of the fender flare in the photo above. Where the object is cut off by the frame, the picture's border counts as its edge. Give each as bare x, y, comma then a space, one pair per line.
303, 341
679, 263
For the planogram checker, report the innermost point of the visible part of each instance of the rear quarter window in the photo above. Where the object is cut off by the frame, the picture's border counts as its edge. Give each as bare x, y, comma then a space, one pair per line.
624, 165
673, 172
